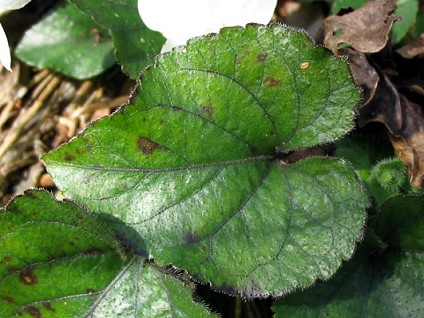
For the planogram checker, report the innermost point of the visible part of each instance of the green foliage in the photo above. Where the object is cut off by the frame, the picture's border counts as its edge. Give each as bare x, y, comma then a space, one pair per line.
337, 5
390, 174
408, 10
56, 260
376, 283
69, 42
383, 176
419, 25
197, 173
135, 44
209, 170
80, 42
142, 290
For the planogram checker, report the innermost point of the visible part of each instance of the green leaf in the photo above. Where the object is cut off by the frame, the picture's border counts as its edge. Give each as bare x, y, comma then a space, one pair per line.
408, 10
363, 153
200, 165
135, 44
69, 42
55, 259
383, 176
373, 285
141, 290
419, 25
344, 4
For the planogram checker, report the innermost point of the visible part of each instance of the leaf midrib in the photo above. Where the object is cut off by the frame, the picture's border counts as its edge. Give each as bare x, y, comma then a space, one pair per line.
262, 158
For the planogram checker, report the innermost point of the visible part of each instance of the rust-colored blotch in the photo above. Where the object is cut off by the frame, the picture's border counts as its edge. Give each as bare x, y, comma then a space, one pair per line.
34, 312
146, 145
28, 277
272, 82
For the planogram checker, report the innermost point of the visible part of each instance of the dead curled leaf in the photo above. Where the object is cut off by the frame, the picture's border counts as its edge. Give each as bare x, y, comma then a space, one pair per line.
412, 49
367, 29
409, 147
364, 74
405, 123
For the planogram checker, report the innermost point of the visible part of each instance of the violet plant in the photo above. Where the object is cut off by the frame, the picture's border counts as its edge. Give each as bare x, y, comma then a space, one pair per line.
207, 177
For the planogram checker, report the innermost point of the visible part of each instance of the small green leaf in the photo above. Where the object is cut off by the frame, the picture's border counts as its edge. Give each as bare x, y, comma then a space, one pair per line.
390, 285
141, 290
345, 4
200, 165
383, 176
363, 153
55, 259
419, 25
408, 10
135, 44
69, 42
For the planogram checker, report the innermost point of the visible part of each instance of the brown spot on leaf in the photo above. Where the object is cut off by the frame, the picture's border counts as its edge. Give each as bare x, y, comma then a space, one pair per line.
48, 306
146, 145
28, 277
68, 157
366, 29
207, 109
9, 299
34, 311
7, 259
261, 57
272, 82
80, 151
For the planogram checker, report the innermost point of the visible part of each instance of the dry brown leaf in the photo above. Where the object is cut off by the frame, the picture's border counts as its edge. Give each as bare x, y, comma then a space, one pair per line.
367, 29
413, 48
409, 145
364, 75
384, 108
405, 123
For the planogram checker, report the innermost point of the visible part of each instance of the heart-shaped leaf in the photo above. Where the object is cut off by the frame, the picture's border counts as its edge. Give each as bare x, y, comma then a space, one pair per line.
142, 290
381, 285
69, 42
200, 165
136, 45
55, 259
